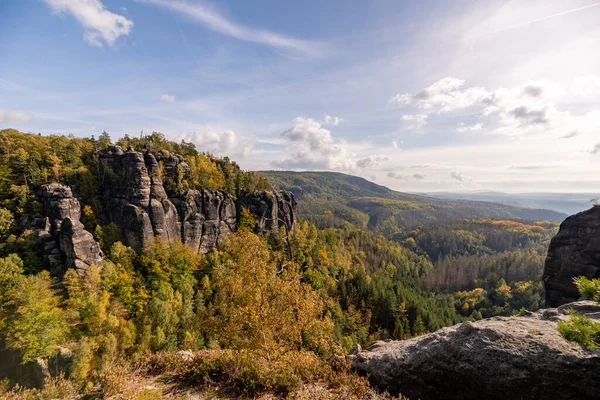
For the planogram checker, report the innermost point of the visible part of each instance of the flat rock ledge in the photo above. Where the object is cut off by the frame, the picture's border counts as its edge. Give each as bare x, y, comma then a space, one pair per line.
522, 357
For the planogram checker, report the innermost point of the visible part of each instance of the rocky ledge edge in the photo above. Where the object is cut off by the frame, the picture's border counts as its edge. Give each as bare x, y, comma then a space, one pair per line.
520, 357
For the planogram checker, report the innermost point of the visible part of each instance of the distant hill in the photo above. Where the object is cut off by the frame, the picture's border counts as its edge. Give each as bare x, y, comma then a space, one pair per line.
330, 198
569, 203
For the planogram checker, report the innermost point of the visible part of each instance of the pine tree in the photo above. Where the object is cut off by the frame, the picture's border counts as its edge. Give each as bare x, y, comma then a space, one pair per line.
419, 327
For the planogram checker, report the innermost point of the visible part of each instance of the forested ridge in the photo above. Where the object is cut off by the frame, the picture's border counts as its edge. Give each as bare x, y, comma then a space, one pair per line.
332, 198
263, 313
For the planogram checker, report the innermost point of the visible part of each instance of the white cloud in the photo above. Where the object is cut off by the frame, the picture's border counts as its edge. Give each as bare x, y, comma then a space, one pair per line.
329, 120
457, 175
462, 128
395, 175
311, 146
424, 166
401, 99
14, 116
227, 143
570, 135
100, 25
308, 132
533, 166
419, 120
168, 98
214, 21
596, 149
371, 161
515, 111
442, 96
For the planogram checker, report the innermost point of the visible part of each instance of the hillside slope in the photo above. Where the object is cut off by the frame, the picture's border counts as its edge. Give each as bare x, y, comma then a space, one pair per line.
329, 198
568, 203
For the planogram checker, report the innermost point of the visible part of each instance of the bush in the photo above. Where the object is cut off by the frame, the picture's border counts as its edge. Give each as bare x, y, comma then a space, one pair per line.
54, 388
248, 373
165, 361
588, 288
114, 381
581, 329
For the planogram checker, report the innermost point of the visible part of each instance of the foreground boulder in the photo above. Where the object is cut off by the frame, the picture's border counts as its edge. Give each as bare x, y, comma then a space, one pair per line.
574, 251
496, 358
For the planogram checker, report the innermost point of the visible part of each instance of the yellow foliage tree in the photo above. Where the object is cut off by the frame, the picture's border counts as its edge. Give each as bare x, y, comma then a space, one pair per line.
204, 173
257, 307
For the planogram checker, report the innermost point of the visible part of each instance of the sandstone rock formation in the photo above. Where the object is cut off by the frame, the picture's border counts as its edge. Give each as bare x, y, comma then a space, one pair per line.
574, 251
145, 207
64, 240
496, 358
272, 209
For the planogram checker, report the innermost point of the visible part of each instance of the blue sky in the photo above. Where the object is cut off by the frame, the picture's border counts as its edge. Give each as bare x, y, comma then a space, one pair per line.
415, 95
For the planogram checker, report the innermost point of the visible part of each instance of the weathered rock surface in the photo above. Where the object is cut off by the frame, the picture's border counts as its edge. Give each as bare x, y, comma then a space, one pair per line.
574, 251
496, 358
145, 207
64, 240
272, 209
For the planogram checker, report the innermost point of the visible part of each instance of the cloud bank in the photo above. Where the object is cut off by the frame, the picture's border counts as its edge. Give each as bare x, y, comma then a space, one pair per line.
227, 143
514, 111
313, 147
14, 116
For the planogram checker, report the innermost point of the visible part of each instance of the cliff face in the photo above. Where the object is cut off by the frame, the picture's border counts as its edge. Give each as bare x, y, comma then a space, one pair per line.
495, 358
574, 251
144, 207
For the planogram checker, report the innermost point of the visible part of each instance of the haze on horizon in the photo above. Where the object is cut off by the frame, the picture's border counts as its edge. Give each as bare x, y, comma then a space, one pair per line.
421, 96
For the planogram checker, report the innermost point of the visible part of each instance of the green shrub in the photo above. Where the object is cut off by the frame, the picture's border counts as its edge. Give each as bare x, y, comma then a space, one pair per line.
581, 329
588, 288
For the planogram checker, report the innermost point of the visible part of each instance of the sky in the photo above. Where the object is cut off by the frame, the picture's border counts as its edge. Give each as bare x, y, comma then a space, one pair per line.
419, 96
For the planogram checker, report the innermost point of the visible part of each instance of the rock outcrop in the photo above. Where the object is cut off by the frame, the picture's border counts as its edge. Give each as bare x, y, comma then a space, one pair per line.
574, 251
271, 209
496, 358
145, 207
64, 240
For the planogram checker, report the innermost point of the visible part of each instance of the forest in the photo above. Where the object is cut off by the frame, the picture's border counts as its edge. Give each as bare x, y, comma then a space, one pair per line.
264, 313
